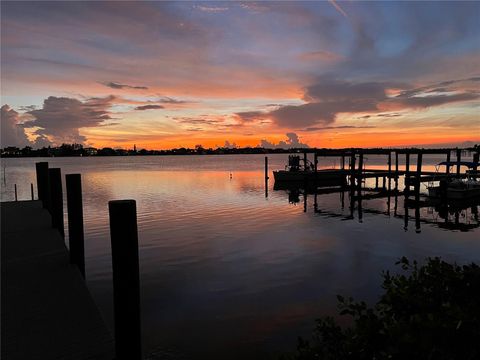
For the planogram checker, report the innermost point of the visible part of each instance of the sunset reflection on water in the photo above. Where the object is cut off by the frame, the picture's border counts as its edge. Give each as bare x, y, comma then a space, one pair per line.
229, 273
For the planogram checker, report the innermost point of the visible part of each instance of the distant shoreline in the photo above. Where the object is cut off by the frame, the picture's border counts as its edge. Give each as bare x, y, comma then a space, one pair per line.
80, 151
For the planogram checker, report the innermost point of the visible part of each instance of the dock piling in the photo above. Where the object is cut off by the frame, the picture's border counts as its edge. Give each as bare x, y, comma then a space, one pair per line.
352, 169
419, 175
16, 198
476, 157
56, 193
266, 168
449, 154
43, 184
31, 191
126, 284
459, 158
75, 221
360, 173
396, 170
389, 171
407, 174
266, 176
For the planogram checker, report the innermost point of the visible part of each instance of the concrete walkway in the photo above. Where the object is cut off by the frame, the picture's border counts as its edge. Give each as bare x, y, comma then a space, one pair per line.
47, 311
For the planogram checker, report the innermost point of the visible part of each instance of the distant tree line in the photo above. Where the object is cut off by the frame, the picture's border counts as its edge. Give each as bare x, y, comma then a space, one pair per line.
80, 150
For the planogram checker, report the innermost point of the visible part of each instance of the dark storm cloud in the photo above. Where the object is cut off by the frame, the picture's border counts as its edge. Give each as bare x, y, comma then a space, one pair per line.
115, 85
422, 102
329, 97
250, 116
149, 107
12, 132
60, 118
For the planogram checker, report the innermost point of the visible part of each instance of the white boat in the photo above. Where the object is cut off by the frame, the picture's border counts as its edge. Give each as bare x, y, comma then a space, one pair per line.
456, 189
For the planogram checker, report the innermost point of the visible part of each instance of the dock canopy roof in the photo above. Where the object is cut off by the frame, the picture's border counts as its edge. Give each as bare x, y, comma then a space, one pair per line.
469, 164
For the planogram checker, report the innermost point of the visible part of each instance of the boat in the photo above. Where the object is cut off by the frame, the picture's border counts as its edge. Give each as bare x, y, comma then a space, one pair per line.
457, 189
296, 172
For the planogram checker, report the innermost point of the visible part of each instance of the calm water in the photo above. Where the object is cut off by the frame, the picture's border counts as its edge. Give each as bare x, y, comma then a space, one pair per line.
229, 273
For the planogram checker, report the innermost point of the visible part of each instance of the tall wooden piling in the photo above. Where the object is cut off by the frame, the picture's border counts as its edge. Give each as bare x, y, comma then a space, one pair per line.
266, 177
407, 173
360, 172
16, 197
315, 169
75, 221
396, 170
459, 158
476, 157
43, 184
352, 169
389, 170
418, 176
449, 154
126, 283
31, 191
56, 194
266, 168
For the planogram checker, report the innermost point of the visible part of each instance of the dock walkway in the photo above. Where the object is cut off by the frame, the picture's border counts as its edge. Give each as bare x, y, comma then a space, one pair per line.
47, 310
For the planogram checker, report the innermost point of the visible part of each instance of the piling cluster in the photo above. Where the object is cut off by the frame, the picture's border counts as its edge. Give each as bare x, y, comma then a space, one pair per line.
124, 242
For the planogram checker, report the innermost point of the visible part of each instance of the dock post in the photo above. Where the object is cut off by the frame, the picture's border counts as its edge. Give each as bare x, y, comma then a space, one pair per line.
43, 184
75, 221
31, 190
389, 170
449, 153
459, 158
343, 161
16, 198
266, 168
476, 157
360, 173
419, 175
315, 164
126, 283
56, 199
407, 173
352, 168
266, 176
396, 170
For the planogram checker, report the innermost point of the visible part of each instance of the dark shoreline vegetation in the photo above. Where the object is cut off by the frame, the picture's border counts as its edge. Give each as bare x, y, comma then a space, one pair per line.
427, 312
73, 150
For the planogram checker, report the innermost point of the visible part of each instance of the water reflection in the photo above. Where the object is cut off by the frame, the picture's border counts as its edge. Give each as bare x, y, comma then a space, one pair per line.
454, 215
228, 273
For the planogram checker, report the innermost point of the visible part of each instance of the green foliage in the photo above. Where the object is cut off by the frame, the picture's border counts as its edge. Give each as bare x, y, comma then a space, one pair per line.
427, 312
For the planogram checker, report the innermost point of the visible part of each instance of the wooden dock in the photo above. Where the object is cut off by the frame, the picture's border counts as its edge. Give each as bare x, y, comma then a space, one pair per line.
47, 310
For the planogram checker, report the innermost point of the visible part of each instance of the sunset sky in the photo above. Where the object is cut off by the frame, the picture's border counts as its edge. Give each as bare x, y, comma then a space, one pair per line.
170, 74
